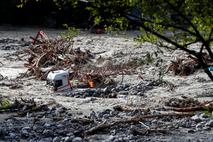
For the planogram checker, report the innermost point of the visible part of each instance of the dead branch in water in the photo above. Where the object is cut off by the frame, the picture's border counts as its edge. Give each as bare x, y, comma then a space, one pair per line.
188, 105
104, 125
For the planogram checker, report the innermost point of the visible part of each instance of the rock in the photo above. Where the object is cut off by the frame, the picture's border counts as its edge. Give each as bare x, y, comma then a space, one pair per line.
46, 140
126, 85
126, 89
61, 110
186, 123
204, 116
121, 87
210, 123
106, 116
77, 139
133, 92
124, 92
130, 136
60, 126
118, 88
109, 139
26, 128
93, 115
113, 90
196, 118
68, 139
47, 125
70, 134
65, 120
79, 113
112, 95
38, 129
61, 132
106, 90
191, 131
107, 111
3, 132
25, 132
200, 79
102, 114
200, 140
48, 133
200, 126
33, 140
207, 128
114, 113
138, 87
140, 94
56, 139
12, 135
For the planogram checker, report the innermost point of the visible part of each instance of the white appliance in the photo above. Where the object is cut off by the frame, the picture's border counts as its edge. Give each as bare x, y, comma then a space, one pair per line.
59, 80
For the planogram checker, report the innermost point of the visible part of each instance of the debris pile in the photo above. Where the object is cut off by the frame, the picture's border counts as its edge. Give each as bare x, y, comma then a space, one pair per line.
53, 55
183, 67
47, 55
187, 66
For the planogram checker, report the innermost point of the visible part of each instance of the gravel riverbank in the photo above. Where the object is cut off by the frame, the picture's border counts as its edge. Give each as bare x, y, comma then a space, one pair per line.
75, 116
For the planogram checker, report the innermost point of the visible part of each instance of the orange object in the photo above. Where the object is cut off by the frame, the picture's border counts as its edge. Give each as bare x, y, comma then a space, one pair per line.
91, 84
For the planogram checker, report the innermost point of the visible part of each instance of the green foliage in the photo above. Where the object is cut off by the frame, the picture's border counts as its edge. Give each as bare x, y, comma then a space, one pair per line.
159, 15
97, 20
109, 13
5, 104
207, 113
70, 33
181, 21
179, 24
21, 3
182, 18
146, 37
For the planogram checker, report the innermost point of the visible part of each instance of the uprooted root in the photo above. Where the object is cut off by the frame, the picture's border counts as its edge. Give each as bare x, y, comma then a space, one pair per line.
183, 67
187, 66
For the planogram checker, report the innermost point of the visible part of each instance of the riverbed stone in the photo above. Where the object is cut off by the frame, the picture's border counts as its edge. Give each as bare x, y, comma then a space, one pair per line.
210, 123
56, 139
77, 139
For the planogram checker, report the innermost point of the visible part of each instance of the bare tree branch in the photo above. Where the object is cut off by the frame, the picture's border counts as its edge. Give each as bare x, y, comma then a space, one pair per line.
168, 40
201, 49
163, 24
190, 43
206, 44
